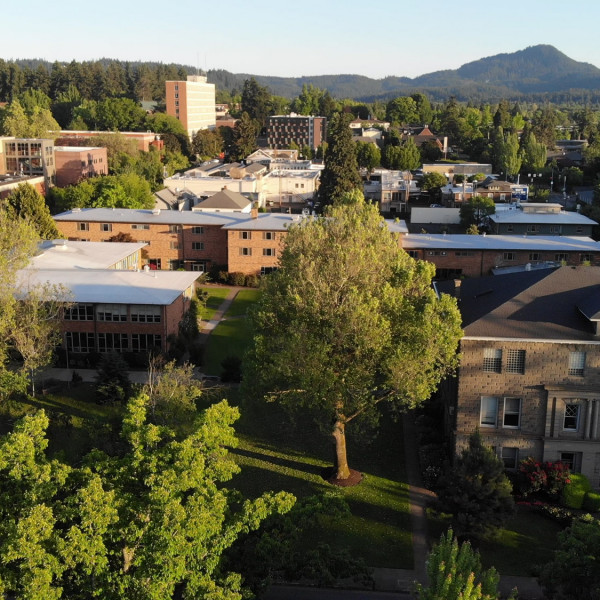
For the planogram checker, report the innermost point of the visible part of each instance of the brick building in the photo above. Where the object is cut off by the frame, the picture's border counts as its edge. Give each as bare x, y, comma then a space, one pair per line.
74, 163
144, 139
529, 377
192, 102
30, 157
282, 130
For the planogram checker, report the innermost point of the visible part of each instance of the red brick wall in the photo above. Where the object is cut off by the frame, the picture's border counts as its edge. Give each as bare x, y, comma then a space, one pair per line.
252, 263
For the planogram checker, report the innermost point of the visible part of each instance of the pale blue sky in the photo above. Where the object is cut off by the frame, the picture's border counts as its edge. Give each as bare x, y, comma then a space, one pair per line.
366, 37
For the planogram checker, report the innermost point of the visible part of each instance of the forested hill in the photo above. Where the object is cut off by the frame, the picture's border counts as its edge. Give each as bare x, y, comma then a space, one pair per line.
536, 73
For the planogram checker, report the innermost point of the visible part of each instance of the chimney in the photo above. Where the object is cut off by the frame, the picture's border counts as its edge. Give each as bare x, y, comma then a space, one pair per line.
254, 212
223, 188
457, 284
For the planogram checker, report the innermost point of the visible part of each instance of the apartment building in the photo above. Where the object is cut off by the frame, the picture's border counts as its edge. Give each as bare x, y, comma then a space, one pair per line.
28, 157
302, 130
529, 378
144, 139
192, 102
74, 163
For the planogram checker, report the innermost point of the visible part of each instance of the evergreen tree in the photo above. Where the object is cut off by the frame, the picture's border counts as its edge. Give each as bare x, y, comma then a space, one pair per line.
27, 203
340, 174
245, 133
476, 491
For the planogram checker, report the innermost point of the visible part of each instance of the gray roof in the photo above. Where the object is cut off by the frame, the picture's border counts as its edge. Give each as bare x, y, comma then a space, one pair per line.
226, 200
112, 286
540, 305
561, 218
65, 254
414, 241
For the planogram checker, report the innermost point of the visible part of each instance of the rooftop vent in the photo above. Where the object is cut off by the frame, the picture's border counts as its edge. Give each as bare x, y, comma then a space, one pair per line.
156, 211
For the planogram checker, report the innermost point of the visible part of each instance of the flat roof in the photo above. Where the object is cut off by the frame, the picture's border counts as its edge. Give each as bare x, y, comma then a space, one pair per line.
535, 218
66, 254
414, 241
76, 148
114, 286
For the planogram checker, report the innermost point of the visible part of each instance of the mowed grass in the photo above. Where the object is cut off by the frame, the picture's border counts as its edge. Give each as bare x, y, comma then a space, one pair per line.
243, 300
216, 295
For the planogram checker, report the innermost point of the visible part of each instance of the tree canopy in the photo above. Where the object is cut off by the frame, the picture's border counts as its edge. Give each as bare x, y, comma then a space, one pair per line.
25, 202
150, 523
348, 321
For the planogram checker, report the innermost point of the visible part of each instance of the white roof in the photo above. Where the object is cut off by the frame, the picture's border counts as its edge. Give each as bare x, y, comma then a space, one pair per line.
112, 286
76, 148
518, 216
65, 254
499, 242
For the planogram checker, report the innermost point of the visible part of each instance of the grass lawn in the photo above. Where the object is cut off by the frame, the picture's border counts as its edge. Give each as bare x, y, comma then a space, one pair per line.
243, 300
216, 295
228, 338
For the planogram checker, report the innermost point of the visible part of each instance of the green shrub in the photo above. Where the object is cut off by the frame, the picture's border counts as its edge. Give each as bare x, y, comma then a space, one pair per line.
238, 279
591, 502
574, 492
252, 281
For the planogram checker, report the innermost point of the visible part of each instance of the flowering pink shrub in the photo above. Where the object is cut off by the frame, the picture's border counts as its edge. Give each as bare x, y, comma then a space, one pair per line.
548, 477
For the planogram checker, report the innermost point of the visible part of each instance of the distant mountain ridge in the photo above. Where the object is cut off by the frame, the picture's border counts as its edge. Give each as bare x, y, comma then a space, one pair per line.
535, 70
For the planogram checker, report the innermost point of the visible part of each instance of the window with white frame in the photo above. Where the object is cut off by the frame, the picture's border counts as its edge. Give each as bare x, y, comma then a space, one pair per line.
174, 228
571, 419
197, 230
245, 251
105, 226
197, 245
245, 235
267, 270
268, 251
83, 226
140, 226
145, 313
79, 312
534, 256
515, 361
492, 360
510, 457
141, 342
111, 312
489, 411
560, 257
509, 256
512, 413
268, 235
577, 364
80, 342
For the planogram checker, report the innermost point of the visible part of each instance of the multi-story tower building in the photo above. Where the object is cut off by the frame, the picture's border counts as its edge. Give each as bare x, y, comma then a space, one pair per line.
28, 157
300, 129
192, 102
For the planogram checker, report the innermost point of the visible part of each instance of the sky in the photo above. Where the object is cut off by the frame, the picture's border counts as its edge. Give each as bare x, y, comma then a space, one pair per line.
375, 38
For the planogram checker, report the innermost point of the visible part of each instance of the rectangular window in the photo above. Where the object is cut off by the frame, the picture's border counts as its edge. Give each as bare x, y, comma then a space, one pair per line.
113, 342
510, 457
175, 264
174, 228
571, 460
80, 342
198, 230
140, 226
413, 253
197, 245
509, 228
245, 251
489, 411
534, 256
585, 258
560, 257
174, 245
267, 270
515, 361
79, 312
464, 253
143, 342
245, 235
145, 313
579, 229
577, 364
532, 228
268, 235
268, 251
571, 421
111, 312
492, 360
83, 226
509, 256
512, 413
105, 226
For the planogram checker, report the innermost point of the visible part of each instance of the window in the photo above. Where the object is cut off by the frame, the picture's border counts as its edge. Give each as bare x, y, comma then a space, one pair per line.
140, 226
174, 245
464, 253
105, 226
79, 312
245, 235
585, 258
141, 342
80, 342
198, 266
489, 411
174, 228
571, 460
534, 256
175, 264
83, 226
245, 251
111, 312
510, 457
577, 364
145, 313
579, 229
112, 342
268, 251
268, 235
560, 257
492, 360
413, 253
267, 270
197, 245
571, 421
515, 361
512, 412
198, 230
154, 264
509, 228
509, 256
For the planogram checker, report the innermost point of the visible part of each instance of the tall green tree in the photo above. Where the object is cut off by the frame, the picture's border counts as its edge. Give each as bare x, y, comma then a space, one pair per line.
27, 203
349, 321
256, 100
340, 174
207, 144
475, 209
150, 523
533, 153
245, 134
402, 110
368, 155
455, 573
476, 491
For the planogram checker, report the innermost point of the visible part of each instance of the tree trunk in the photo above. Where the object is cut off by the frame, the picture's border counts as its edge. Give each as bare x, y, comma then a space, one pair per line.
342, 471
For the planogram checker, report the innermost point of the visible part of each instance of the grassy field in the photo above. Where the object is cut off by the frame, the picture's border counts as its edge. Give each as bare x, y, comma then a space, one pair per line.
243, 300
216, 295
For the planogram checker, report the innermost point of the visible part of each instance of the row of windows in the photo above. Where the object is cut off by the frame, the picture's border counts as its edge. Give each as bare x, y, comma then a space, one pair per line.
514, 361
114, 313
510, 417
111, 342
509, 256
510, 457
265, 252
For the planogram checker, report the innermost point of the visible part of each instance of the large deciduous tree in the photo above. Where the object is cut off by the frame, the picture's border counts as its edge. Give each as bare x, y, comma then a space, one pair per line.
149, 523
25, 202
349, 321
340, 174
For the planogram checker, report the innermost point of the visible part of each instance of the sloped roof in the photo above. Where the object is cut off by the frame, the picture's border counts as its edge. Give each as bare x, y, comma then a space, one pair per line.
226, 199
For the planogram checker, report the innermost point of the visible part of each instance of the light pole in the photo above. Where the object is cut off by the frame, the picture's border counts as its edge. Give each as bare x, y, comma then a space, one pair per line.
532, 177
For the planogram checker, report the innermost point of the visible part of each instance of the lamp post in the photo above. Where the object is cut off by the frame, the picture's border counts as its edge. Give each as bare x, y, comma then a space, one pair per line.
532, 177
